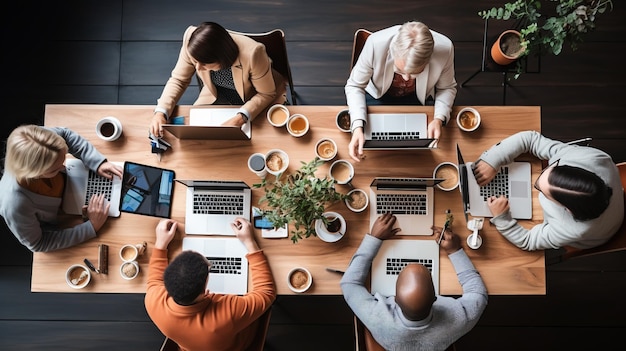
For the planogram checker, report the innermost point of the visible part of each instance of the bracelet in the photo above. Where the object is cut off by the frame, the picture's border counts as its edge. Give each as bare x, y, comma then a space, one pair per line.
244, 117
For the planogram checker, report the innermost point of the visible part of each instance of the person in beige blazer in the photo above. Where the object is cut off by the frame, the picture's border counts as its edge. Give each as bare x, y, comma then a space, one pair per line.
234, 69
406, 64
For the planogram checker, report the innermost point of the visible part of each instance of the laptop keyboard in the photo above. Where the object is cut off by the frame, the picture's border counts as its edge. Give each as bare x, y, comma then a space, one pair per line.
499, 186
414, 204
225, 265
97, 184
395, 135
395, 265
229, 204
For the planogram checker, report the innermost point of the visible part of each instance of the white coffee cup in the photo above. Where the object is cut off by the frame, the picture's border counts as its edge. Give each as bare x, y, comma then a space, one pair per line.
468, 119
129, 270
341, 171
298, 125
129, 253
109, 128
278, 115
256, 164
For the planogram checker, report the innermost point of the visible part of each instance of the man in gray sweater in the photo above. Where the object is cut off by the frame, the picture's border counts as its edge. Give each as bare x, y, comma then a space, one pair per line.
416, 318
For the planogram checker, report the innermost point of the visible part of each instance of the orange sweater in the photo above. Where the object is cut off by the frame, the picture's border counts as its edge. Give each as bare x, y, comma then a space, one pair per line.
219, 322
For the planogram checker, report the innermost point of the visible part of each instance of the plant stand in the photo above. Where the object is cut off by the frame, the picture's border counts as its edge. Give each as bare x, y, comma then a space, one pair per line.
488, 65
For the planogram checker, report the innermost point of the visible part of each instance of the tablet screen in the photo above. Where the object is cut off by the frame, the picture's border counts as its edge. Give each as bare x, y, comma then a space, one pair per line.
147, 190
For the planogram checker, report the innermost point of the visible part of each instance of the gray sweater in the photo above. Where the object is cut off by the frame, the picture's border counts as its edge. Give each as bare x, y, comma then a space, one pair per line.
33, 218
559, 228
450, 319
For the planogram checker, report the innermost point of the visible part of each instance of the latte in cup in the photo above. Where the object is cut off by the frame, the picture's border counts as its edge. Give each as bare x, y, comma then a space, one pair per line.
326, 149
274, 162
278, 116
341, 171
468, 119
450, 173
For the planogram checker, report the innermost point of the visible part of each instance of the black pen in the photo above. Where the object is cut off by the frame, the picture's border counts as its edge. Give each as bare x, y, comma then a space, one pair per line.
91, 266
335, 270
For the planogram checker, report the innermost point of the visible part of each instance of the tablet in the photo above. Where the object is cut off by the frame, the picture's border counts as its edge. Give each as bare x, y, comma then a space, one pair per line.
147, 190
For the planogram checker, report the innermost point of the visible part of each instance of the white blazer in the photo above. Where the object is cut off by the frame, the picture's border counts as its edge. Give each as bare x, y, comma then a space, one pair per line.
373, 72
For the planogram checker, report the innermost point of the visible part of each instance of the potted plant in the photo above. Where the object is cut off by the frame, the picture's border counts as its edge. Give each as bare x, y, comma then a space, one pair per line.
298, 199
564, 21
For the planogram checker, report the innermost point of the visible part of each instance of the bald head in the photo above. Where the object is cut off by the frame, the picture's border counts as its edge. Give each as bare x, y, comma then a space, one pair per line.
415, 293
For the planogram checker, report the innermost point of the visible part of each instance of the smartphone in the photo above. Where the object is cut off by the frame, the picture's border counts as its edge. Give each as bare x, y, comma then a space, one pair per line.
261, 222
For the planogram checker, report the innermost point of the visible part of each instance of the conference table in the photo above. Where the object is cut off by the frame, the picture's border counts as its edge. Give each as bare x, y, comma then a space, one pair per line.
505, 269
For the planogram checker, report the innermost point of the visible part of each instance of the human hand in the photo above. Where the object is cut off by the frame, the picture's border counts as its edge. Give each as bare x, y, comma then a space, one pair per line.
498, 205
383, 226
434, 129
156, 126
108, 170
483, 172
97, 210
165, 232
451, 242
243, 231
355, 148
236, 121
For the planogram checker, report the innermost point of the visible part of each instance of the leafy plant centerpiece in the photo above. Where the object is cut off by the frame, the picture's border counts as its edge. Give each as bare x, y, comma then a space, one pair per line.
299, 198
567, 21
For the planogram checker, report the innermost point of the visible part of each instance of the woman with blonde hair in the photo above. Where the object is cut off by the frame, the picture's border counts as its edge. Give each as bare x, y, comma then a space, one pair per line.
33, 182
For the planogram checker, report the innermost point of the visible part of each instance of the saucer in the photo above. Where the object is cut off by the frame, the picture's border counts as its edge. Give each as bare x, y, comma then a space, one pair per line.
324, 235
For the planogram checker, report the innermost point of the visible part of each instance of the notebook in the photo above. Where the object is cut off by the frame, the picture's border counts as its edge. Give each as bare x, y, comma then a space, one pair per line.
212, 205
393, 131
395, 255
82, 183
411, 200
229, 267
147, 190
512, 180
206, 124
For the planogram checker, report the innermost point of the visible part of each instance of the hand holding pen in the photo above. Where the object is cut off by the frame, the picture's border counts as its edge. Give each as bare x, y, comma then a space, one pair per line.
450, 241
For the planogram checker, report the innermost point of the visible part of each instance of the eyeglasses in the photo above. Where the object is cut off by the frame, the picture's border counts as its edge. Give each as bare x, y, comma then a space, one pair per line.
536, 185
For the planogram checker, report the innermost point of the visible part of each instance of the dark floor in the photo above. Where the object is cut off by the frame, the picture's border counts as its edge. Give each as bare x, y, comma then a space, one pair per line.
122, 51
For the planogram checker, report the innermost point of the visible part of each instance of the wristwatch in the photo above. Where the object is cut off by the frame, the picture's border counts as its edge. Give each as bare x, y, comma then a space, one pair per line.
244, 117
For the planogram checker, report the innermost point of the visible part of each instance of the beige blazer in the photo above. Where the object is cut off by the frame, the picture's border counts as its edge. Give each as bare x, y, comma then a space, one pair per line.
256, 82
373, 73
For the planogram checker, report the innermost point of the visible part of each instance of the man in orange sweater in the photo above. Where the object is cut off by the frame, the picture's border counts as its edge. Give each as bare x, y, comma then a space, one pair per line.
197, 319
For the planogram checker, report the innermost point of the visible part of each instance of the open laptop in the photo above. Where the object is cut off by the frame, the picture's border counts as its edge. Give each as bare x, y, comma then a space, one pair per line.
513, 181
212, 205
395, 255
411, 200
206, 124
229, 266
393, 131
82, 183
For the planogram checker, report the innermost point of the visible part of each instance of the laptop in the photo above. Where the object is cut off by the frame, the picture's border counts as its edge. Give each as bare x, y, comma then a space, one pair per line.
513, 181
394, 255
394, 131
212, 205
229, 267
81, 183
206, 124
411, 200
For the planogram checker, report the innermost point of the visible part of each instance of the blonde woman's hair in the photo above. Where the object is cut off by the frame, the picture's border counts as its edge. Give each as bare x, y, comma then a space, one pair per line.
414, 43
31, 151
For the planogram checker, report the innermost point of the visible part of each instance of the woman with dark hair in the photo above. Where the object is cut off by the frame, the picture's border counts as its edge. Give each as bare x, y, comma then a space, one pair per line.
580, 193
234, 70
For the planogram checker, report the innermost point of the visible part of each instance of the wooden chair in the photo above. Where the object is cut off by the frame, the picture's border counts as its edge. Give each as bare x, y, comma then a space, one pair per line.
258, 343
276, 49
365, 341
360, 36
616, 243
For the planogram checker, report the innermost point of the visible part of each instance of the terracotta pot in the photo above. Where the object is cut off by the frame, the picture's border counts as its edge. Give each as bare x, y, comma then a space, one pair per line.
507, 48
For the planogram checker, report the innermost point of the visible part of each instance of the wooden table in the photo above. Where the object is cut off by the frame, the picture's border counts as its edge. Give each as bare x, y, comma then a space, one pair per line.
506, 269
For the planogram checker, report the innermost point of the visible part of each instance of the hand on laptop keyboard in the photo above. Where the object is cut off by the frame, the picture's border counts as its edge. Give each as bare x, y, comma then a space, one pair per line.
97, 210
383, 226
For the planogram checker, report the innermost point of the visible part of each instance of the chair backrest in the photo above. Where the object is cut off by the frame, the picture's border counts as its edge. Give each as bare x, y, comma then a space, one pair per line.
616, 243
258, 343
360, 36
276, 49
365, 341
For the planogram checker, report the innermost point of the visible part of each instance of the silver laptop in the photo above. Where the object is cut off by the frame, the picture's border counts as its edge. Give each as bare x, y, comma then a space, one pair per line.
212, 205
411, 200
206, 124
394, 255
229, 266
82, 183
393, 131
513, 181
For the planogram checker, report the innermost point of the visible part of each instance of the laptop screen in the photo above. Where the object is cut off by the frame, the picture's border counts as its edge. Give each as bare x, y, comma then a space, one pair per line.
147, 190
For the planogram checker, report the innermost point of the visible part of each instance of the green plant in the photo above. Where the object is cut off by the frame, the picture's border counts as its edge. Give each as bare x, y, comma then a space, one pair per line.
300, 198
568, 21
